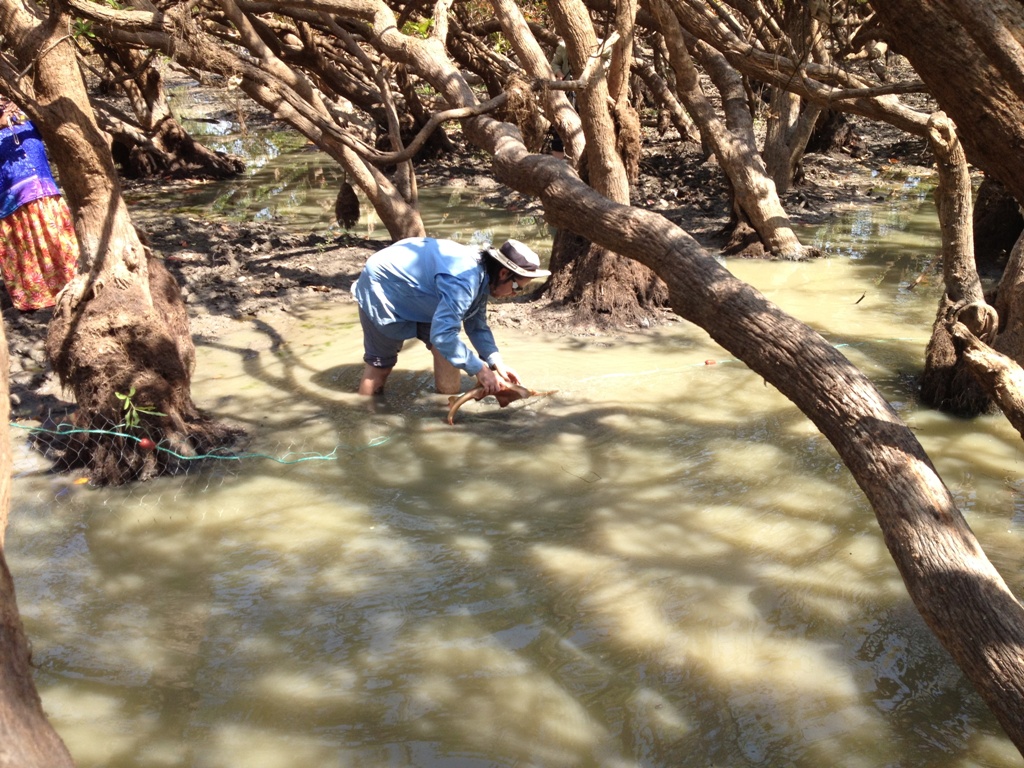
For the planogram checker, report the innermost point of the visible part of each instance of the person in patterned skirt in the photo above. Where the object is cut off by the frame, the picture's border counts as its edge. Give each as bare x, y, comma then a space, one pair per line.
38, 247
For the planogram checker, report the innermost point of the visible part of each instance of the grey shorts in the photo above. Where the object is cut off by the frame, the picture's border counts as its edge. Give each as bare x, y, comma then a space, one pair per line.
381, 351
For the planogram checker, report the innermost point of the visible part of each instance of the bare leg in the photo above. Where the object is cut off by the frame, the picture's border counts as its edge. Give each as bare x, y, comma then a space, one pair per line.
447, 378
373, 380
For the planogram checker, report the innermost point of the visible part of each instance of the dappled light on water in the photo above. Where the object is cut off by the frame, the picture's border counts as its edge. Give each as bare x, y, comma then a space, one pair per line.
663, 563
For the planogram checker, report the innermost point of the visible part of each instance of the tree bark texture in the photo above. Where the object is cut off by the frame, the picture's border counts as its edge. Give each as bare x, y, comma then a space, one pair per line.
955, 212
969, 55
1000, 376
129, 341
120, 327
27, 740
555, 103
600, 283
605, 169
756, 201
947, 382
627, 119
790, 122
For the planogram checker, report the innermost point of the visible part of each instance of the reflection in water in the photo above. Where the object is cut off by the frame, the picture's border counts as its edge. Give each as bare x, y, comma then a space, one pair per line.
289, 182
662, 564
300, 188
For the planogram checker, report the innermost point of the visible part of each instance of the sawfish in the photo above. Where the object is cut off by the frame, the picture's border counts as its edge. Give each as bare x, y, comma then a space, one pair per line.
504, 396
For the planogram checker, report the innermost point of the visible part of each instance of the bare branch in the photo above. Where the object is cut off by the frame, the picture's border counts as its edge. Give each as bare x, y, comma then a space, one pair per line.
458, 113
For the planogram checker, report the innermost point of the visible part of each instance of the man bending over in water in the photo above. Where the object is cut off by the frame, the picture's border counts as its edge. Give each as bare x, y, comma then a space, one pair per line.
430, 289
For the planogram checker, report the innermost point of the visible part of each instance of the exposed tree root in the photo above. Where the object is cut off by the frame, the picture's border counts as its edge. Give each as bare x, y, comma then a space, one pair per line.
948, 382
998, 375
601, 286
129, 364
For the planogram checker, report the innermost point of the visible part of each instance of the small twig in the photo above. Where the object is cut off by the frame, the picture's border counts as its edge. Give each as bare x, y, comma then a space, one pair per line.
580, 477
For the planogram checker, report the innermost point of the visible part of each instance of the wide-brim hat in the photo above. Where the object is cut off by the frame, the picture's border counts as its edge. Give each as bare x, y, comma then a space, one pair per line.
519, 258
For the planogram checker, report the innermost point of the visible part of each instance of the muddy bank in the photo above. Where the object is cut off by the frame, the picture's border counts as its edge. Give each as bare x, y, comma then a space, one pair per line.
231, 271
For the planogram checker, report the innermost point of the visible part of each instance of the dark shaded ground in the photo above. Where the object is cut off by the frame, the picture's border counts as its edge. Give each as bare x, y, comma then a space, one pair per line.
230, 271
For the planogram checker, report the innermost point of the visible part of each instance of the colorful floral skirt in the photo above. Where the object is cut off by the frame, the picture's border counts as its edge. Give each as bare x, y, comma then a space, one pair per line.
38, 252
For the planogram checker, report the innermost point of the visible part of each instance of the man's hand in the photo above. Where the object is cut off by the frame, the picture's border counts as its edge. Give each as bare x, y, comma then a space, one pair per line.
489, 380
492, 382
507, 374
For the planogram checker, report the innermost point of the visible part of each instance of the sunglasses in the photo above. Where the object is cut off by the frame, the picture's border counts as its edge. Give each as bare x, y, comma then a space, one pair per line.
516, 287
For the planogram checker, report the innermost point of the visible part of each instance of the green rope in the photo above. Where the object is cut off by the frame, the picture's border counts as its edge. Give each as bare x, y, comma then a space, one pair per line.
377, 441
226, 457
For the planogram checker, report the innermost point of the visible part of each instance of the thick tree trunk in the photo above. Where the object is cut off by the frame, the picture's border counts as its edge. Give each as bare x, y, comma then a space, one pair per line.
627, 119
591, 276
129, 340
590, 279
120, 327
786, 146
556, 105
605, 168
947, 383
600, 284
756, 201
962, 597
158, 145
790, 122
969, 56
27, 740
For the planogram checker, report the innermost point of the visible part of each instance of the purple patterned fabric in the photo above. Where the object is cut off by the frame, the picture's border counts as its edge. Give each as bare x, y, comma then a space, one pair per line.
24, 170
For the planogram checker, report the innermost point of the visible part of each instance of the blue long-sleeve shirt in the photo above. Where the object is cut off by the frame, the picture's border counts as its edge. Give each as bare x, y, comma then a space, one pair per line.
425, 280
24, 169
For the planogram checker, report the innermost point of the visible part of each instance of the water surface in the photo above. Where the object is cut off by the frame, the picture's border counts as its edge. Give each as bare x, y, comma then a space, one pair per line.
662, 564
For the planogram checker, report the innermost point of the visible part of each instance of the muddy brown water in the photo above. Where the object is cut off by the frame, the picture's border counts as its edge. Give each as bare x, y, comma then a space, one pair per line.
662, 564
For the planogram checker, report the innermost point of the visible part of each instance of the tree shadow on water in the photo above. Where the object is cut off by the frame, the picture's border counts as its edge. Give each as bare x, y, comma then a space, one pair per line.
568, 582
